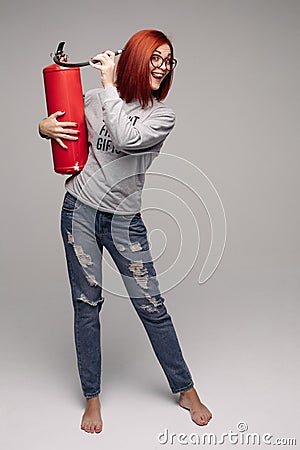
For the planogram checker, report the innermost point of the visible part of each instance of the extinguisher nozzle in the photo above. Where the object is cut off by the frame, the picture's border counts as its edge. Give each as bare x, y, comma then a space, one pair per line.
118, 52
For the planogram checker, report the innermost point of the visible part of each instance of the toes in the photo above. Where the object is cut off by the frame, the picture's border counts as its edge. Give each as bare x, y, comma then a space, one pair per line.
200, 420
88, 428
84, 427
91, 428
206, 418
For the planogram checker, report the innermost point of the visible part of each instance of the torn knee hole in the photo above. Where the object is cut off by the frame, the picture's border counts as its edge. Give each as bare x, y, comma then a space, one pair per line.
84, 299
135, 246
153, 300
149, 308
153, 304
140, 273
91, 280
84, 259
70, 238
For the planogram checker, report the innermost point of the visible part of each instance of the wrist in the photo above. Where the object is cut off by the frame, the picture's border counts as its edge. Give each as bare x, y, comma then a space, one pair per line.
108, 85
41, 131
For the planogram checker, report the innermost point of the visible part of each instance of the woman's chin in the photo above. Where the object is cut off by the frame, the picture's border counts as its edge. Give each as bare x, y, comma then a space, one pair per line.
155, 86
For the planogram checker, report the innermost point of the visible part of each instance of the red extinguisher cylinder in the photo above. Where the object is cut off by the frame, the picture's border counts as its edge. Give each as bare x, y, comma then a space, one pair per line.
63, 90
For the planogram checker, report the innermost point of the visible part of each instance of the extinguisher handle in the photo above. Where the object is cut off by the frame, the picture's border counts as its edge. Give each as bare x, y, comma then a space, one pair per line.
61, 58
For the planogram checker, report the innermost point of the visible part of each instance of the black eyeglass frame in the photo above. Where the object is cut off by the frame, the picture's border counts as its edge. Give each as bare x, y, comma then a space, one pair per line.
164, 60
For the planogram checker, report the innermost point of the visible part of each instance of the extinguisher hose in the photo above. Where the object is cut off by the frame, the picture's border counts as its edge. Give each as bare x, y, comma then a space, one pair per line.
61, 58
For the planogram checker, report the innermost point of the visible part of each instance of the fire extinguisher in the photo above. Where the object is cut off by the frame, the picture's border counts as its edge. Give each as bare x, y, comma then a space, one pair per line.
63, 90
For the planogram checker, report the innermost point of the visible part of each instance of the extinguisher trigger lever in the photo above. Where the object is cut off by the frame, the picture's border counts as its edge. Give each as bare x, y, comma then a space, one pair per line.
60, 48
59, 54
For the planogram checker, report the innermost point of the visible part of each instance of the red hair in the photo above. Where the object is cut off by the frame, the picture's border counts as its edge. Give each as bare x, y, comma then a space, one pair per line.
133, 70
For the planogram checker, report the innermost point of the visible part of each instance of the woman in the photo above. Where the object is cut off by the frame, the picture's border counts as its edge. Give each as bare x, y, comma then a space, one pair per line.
127, 124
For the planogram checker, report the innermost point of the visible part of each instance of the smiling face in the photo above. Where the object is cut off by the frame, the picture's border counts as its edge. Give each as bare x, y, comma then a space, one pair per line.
157, 74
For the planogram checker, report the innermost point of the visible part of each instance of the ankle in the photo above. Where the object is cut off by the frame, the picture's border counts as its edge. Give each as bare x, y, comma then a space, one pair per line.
92, 400
188, 392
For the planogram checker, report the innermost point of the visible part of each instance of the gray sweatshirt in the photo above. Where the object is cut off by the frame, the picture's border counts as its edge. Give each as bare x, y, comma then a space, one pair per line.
123, 140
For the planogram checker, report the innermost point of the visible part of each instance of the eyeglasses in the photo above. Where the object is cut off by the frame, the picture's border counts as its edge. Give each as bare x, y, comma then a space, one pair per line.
157, 61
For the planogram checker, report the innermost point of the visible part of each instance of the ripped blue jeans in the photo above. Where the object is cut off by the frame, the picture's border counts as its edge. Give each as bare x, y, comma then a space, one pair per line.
85, 231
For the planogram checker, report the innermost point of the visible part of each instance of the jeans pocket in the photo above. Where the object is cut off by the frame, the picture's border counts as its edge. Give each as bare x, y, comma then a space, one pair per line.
70, 203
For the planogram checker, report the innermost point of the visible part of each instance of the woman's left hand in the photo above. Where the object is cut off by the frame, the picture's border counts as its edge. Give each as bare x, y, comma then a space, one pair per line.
106, 67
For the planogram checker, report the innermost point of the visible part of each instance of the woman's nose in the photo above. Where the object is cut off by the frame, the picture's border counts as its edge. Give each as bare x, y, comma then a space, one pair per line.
164, 65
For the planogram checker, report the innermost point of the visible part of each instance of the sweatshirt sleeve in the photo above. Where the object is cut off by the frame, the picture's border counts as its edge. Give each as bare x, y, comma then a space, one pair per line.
143, 134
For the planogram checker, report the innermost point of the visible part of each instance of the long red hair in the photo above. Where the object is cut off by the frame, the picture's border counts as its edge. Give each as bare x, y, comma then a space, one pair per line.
133, 70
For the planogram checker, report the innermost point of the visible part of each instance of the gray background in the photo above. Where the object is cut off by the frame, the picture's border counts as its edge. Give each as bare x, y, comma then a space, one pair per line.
236, 96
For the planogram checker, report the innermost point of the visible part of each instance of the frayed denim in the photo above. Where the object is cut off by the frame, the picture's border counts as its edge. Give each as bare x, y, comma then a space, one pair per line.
85, 231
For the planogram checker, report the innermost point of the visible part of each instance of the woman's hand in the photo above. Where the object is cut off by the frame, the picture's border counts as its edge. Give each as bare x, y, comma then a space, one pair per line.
106, 67
58, 130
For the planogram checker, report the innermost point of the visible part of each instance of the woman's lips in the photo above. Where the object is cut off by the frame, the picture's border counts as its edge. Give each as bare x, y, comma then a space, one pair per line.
157, 75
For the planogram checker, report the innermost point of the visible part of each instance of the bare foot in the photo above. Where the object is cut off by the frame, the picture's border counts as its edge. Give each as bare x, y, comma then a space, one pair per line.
200, 414
91, 419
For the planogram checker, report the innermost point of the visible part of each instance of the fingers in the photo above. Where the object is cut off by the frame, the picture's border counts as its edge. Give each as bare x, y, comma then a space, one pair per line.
57, 114
101, 61
58, 138
63, 133
110, 54
95, 65
60, 142
106, 65
63, 124
62, 129
55, 129
66, 136
107, 57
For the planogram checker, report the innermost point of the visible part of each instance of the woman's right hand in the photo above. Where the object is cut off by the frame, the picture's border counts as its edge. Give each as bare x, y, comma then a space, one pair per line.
56, 130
